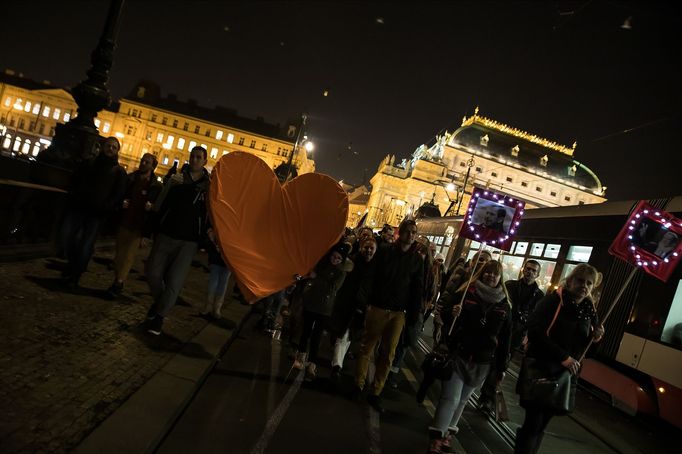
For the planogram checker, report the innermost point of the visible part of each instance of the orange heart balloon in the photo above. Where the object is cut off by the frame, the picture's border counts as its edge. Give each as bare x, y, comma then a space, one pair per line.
269, 232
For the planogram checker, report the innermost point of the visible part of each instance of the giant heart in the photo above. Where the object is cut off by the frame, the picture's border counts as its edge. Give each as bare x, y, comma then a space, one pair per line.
268, 233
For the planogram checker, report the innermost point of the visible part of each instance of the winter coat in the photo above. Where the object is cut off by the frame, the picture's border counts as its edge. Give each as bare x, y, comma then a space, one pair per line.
354, 295
475, 340
138, 192
97, 187
183, 214
570, 333
319, 293
523, 299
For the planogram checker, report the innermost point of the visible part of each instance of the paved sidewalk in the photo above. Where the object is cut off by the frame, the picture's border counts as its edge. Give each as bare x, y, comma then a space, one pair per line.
68, 360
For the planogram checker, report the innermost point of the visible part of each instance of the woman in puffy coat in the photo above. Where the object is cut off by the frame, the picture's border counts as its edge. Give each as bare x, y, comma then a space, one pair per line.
559, 330
481, 335
318, 295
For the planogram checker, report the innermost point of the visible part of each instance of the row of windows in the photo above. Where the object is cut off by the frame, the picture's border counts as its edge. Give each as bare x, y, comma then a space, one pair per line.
32, 126
219, 134
26, 146
39, 109
169, 141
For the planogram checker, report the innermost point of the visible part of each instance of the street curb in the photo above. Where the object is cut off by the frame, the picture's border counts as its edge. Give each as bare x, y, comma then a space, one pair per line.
141, 423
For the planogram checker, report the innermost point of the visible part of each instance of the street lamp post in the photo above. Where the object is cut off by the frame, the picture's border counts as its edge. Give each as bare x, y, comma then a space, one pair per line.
470, 164
287, 176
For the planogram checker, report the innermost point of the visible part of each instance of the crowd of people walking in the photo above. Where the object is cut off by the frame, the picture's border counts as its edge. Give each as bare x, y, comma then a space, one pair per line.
374, 291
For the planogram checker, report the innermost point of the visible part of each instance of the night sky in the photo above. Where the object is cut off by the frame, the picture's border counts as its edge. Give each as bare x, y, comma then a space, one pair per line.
396, 74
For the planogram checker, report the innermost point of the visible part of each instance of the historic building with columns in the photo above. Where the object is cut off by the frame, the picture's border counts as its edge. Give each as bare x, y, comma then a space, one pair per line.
144, 121
482, 152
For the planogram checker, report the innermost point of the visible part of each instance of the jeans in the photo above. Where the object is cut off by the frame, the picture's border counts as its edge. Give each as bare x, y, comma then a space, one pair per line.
529, 436
454, 395
167, 268
313, 325
217, 281
383, 326
79, 232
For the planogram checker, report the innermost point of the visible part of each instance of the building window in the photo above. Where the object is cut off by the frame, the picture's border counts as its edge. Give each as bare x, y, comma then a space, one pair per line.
196, 129
538, 188
32, 126
46, 111
192, 144
185, 127
572, 170
18, 105
17, 144
208, 133
230, 138
27, 106
181, 143
8, 101
214, 153
97, 122
27, 146
36, 109
67, 116
218, 134
159, 137
21, 123
153, 118
515, 150
165, 160
567, 198
479, 170
36, 149
544, 160
582, 202
148, 136
462, 164
130, 131
553, 193
510, 180
175, 123
169, 141
494, 174
164, 120
52, 131
56, 114
41, 129
484, 140
524, 184
107, 127
241, 141
264, 147
253, 144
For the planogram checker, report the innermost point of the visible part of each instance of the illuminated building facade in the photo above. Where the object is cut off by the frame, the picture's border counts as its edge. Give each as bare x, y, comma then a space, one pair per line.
143, 122
483, 153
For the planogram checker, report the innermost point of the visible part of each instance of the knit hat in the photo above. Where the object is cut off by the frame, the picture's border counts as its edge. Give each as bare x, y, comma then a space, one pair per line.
342, 248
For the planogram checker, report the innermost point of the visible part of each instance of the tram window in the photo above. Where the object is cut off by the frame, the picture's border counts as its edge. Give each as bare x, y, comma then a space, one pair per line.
511, 267
536, 249
521, 248
579, 253
568, 267
672, 330
552, 251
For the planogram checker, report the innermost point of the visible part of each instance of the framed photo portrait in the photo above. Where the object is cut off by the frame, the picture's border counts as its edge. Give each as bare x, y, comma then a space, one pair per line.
492, 218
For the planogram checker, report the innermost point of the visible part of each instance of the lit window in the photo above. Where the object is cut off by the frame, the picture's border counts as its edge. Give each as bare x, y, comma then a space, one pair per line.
521, 248
579, 253
544, 160
218, 134
57, 113
27, 106
165, 160
536, 249
27, 147
214, 153
148, 135
18, 104
552, 251
107, 127
230, 138
46, 111
8, 101
67, 116
17, 144
7, 142
36, 149
159, 137
192, 144
97, 123
181, 143
484, 140
36, 109
169, 140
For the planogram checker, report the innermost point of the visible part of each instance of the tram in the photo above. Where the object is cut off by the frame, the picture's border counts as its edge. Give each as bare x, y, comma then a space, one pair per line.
638, 364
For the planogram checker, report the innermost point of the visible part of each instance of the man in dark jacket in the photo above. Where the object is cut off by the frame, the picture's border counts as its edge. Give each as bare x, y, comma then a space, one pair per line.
96, 191
142, 189
524, 294
396, 296
182, 226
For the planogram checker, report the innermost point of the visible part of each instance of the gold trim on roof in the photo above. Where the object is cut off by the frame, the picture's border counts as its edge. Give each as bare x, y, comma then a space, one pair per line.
501, 127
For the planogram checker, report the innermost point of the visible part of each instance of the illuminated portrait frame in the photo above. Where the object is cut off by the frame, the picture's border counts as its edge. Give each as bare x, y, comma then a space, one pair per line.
629, 247
501, 240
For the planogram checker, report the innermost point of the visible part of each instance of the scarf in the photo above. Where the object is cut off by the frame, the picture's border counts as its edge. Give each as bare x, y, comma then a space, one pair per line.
487, 293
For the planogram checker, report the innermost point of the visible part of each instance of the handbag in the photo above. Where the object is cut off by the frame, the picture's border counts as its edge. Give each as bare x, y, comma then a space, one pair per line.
439, 363
548, 385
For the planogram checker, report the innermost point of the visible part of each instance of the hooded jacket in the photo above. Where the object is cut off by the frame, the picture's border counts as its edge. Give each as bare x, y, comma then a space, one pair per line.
183, 214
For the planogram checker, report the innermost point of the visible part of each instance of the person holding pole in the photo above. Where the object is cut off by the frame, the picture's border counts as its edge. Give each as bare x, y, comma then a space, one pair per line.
562, 327
479, 322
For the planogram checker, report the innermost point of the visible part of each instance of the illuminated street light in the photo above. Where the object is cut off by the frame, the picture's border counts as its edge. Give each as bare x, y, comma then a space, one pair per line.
309, 146
450, 187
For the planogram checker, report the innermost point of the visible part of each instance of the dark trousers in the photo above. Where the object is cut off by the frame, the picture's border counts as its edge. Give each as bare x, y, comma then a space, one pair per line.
313, 325
529, 436
79, 232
